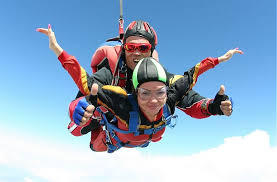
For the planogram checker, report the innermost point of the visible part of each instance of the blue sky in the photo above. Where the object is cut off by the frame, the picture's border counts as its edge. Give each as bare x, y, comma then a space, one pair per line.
36, 90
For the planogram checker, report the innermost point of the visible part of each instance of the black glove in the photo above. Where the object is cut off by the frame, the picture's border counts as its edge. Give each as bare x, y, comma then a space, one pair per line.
214, 106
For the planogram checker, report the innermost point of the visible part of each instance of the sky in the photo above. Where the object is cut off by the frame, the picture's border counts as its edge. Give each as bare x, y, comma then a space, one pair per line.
36, 91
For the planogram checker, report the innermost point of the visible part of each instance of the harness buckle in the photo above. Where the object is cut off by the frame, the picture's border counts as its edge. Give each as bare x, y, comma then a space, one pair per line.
122, 69
108, 139
172, 124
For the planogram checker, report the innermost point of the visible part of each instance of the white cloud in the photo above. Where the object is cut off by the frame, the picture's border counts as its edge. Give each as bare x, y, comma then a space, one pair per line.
28, 180
240, 159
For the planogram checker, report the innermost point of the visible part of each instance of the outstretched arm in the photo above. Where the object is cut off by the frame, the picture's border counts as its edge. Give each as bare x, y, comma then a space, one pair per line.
70, 63
209, 63
75, 70
189, 101
194, 105
200, 107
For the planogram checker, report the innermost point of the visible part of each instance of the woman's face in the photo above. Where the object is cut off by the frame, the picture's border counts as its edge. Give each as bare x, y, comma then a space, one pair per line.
151, 98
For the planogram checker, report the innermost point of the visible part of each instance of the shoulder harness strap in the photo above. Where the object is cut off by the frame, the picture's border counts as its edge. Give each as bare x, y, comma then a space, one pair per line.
120, 73
134, 120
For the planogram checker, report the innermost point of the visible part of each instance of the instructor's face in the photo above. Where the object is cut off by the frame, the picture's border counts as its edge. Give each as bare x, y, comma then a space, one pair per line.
132, 58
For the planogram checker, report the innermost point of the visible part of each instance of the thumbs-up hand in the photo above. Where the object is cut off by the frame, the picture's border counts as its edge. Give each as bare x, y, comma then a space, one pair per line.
92, 104
82, 112
92, 98
221, 104
85, 107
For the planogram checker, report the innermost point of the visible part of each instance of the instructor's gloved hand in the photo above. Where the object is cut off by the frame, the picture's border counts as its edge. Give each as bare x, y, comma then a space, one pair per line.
221, 104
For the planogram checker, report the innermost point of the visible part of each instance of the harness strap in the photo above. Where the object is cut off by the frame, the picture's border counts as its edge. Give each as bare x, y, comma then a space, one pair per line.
113, 147
167, 119
110, 129
134, 122
134, 116
120, 74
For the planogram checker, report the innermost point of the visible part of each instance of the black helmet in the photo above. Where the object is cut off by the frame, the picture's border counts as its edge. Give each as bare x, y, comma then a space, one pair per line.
148, 69
142, 29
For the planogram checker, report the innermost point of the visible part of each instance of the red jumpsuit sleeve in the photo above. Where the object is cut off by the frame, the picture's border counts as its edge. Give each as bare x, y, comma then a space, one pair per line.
198, 110
78, 74
202, 67
193, 104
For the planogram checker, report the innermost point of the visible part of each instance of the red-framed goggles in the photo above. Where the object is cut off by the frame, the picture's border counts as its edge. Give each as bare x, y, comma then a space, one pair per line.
142, 47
